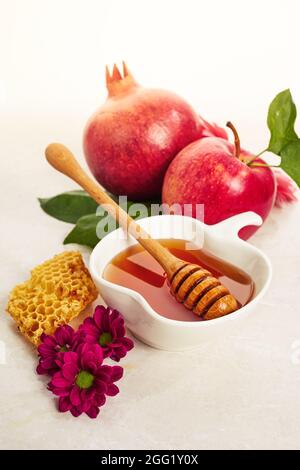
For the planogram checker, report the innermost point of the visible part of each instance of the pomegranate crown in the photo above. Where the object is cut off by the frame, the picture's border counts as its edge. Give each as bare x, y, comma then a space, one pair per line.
116, 83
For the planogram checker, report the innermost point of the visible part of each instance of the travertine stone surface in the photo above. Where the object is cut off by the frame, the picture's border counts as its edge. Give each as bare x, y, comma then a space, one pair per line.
242, 392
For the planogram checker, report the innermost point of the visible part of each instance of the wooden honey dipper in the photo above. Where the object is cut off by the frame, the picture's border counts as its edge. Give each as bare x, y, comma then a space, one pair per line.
192, 285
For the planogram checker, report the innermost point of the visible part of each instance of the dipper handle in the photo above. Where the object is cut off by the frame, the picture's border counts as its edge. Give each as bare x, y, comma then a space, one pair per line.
62, 159
191, 285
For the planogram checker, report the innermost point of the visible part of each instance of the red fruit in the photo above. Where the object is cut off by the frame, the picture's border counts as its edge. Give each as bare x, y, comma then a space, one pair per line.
286, 188
130, 141
286, 192
209, 172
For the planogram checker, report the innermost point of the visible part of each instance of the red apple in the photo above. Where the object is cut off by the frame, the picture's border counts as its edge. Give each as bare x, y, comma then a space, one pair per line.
214, 172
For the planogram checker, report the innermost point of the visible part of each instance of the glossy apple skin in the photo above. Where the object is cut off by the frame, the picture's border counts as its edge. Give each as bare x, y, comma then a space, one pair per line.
130, 141
207, 172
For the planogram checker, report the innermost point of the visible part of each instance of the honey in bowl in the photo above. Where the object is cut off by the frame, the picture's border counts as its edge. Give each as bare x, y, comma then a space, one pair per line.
136, 269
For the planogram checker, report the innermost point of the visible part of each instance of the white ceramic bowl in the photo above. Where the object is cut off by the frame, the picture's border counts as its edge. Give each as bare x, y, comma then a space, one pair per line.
220, 239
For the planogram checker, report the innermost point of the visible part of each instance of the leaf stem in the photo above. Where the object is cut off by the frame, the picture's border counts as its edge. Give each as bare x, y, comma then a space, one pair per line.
256, 156
260, 153
263, 165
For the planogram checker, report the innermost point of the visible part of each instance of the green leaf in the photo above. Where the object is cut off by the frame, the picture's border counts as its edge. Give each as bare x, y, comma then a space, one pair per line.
290, 160
84, 232
69, 206
90, 229
281, 120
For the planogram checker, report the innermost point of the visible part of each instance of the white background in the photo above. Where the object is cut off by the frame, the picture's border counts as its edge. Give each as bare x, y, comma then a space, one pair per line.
228, 58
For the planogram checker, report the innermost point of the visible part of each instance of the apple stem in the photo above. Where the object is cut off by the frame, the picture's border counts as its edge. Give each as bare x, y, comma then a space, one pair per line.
236, 139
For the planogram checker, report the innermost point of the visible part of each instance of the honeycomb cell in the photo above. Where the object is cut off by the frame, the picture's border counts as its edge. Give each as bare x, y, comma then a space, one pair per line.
41, 309
57, 292
35, 326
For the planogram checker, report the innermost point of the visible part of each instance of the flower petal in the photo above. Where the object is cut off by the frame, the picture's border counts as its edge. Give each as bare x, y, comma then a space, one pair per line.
45, 350
49, 341
118, 353
86, 358
100, 399
116, 373
106, 351
48, 363
69, 372
70, 357
105, 320
85, 406
127, 342
115, 315
59, 361
40, 369
91, 332
105, 369
63, 335
75, 396
93, 412
64, 404
100, 386
104, 377
112, 390
60, 392
119, 327
100, 311
88, 394
59, 381
76, 411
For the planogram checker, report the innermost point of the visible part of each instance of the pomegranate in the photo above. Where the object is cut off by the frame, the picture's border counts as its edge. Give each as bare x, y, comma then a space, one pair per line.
215, 173
130, 141
286, 188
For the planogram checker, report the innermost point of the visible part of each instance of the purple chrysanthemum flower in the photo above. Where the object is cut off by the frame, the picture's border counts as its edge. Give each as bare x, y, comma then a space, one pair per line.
106, 327
83, 382
64, 339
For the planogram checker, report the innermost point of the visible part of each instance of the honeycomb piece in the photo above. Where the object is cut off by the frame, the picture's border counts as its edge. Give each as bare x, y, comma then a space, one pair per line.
58, 290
